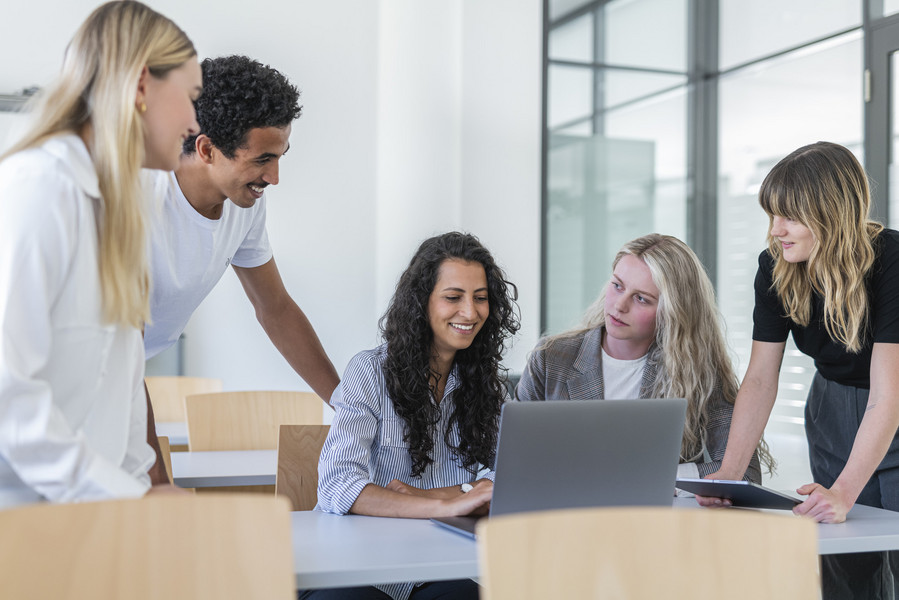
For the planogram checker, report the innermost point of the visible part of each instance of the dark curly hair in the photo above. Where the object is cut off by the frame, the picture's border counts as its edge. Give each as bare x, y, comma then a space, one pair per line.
406, 329
240, 94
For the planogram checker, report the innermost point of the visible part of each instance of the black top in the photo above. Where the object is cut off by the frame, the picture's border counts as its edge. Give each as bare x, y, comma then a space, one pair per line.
832, 359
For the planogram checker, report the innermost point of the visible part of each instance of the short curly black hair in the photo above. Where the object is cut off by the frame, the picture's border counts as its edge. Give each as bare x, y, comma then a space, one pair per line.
240, 94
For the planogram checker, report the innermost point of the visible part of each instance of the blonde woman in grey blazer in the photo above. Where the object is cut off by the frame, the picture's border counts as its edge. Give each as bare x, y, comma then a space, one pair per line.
654, 332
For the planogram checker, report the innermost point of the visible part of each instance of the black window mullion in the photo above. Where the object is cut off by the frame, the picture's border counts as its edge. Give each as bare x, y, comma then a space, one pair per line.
702, 132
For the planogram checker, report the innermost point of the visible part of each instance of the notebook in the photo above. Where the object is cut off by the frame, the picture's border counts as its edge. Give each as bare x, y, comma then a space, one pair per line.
575, 454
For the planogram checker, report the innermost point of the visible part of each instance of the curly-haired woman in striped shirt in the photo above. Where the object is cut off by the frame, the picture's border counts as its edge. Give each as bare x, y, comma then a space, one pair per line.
418, 416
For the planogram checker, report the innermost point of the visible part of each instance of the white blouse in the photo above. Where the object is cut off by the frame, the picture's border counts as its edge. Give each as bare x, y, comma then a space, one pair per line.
73, 418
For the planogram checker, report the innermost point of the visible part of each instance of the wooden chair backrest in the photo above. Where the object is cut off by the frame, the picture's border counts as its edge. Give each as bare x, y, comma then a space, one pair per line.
648, 553
299, 448
214, 547
247, 420
167, 394
166, 452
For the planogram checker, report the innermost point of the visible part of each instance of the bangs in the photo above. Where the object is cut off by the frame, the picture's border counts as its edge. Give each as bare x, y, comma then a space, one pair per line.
779, 199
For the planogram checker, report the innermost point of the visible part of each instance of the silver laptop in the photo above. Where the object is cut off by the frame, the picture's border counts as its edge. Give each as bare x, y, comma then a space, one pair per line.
575, 454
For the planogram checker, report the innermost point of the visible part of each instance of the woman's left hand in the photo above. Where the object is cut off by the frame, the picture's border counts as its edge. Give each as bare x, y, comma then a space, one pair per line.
822, 504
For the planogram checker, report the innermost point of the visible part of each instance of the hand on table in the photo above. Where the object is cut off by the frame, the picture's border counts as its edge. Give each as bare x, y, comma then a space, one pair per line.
822, 504
166, 488
445, 493
484, 508
452, 501
475, 502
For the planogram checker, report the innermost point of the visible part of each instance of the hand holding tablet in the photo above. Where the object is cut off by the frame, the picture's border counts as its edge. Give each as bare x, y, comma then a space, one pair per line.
740, 493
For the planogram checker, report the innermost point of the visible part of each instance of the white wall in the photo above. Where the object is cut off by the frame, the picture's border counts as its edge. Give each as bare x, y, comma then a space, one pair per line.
459, 138
419, 131
501, 91
321, 215
420, 116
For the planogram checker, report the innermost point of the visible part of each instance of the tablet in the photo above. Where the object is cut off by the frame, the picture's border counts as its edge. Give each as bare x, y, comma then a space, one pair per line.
740, 493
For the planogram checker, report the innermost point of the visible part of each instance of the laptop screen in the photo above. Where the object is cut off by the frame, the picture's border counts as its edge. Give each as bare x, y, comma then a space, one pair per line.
583, 453
572, 454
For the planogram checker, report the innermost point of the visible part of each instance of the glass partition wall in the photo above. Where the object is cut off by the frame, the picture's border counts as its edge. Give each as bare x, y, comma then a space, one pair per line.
615, 146
665, 115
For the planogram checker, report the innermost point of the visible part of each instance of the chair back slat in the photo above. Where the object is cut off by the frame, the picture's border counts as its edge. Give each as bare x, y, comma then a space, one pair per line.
299, 448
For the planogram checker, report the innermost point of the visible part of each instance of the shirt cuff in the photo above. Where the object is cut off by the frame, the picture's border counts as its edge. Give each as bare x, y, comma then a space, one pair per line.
104, 481
342, 503
486, 473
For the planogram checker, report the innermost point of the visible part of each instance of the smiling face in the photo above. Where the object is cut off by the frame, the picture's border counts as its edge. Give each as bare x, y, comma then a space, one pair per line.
796, 240
254, 166
169, 117
631, 303
458, 306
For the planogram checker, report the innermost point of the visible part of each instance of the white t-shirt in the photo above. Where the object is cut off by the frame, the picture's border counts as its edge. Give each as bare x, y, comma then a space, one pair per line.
621, 381
189, 254
73, 414
622, 378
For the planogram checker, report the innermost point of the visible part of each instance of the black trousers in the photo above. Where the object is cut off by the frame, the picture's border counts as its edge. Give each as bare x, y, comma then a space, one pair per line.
457, 589
833, 414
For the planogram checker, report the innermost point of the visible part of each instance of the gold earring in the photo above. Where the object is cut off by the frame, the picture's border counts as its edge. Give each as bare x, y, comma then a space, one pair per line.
143, 107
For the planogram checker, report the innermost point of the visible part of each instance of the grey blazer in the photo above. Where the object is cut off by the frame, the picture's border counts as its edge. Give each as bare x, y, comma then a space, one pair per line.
572, 370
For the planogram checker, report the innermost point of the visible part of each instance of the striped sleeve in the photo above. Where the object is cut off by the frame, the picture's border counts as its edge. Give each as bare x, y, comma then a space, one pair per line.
345, 466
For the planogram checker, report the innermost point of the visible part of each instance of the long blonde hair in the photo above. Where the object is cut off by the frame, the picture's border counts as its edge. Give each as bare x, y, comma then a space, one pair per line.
823, 187
689, 352
96, 93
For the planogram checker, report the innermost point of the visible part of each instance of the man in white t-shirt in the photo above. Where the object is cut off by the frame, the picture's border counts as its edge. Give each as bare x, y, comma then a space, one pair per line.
214, 216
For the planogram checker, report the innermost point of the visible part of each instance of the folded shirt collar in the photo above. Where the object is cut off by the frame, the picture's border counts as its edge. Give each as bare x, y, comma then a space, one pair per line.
71, 151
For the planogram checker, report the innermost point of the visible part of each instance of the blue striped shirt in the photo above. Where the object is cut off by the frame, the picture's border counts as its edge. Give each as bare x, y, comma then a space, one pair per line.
365, 444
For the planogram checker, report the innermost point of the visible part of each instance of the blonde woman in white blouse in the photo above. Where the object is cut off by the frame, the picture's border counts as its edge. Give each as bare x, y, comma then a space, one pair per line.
73, 265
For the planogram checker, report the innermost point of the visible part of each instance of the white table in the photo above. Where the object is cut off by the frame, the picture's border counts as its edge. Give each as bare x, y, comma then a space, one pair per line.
333, 551
866, 529
176, 432
220, 469
337, 551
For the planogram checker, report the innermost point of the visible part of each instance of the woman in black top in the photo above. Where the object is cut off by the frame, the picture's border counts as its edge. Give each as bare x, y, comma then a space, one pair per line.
830, 276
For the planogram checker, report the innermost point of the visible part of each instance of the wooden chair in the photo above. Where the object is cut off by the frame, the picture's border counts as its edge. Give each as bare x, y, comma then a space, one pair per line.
167, 395
642, 553
215, 547
166, 455
299, 448
247, 420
